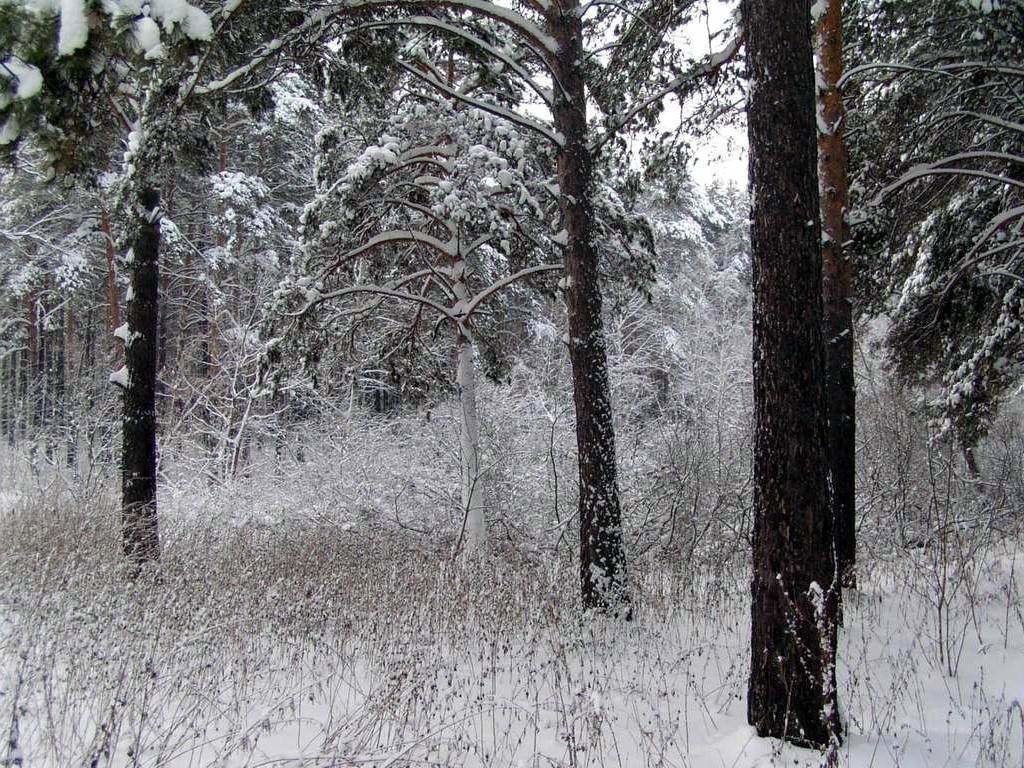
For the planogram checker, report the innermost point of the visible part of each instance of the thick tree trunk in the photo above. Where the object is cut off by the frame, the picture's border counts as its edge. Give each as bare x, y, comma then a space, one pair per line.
837, 288
602, 552
792, 691
469, 437
138, 452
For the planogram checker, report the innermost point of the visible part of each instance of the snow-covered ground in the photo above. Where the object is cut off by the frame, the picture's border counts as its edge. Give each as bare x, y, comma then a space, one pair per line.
335, 645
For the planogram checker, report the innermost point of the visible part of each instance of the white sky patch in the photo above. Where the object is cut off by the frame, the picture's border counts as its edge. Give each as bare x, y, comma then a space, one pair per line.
722, 156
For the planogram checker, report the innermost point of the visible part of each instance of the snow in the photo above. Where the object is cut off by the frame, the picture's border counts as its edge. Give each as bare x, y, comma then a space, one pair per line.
29, 78
197, 25
10, 130
417, 670
193, 21
74, 27
126, 336
147, 34
120, 378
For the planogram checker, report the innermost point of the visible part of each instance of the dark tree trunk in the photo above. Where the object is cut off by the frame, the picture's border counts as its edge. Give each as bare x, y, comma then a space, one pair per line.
24, 358
44, 383
164, 319
205, 363
68, 374
602, 553
837, 287
138, 451
792, 692
8, 398
33, 401
58, 405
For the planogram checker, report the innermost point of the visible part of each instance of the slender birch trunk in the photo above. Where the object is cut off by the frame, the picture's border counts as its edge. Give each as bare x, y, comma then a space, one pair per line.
472, 477
469, 442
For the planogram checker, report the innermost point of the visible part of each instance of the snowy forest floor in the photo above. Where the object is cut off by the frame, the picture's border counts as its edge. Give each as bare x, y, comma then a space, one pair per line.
336, 643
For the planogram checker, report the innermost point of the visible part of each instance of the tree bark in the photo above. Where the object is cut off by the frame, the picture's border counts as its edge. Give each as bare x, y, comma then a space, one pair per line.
33, 401
837, 289
138, 453
70, 374
8, 398
792, 691
59, 415
602, 552
24, 362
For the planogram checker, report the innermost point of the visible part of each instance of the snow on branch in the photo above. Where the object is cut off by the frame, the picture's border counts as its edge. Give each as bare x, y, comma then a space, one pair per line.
975, 255
429, 22
939, 168
493, 288
542, 43
707, 66
993, 120
493, 109
380, 290
266, 52
952, 69
448, 249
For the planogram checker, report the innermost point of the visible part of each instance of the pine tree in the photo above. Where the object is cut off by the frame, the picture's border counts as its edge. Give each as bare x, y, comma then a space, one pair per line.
792, 692
837, 284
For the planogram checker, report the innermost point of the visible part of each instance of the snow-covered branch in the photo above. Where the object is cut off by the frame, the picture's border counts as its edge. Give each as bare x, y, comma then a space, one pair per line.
493, 109
401, 236
700, 70
530, 33
430, 22
493, 288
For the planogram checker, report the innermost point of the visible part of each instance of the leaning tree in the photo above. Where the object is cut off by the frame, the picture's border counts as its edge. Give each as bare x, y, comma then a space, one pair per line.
557, 54
441, 215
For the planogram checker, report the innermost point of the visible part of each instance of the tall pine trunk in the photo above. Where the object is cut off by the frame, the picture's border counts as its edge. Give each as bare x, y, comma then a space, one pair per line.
837, 288
138, 451
32, 367
602, 552
70, 375
792, 692
8, 397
